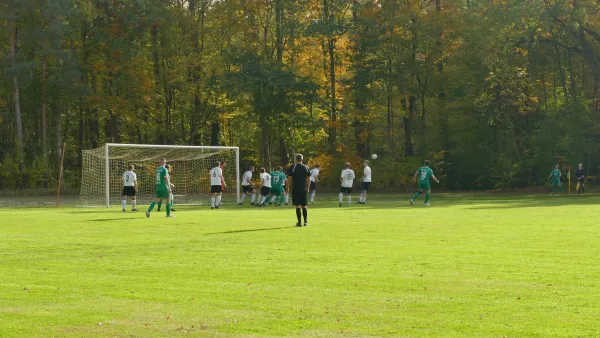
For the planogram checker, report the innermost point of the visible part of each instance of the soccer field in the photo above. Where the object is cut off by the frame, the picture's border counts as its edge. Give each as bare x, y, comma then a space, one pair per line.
471, 265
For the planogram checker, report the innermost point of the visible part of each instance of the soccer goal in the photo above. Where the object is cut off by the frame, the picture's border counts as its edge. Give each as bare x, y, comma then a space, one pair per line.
190, 165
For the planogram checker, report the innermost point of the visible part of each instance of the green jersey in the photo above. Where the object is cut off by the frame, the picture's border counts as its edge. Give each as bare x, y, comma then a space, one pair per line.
556, 175
161, 176
424, 173
277, 179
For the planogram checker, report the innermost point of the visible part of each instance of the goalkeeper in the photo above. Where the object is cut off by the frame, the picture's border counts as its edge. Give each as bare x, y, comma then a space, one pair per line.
555, 175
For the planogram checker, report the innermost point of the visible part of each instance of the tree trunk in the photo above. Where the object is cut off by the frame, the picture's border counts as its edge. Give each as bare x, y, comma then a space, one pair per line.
333, 113
408, 144
12, 36
215, 133
44, 123
283, 153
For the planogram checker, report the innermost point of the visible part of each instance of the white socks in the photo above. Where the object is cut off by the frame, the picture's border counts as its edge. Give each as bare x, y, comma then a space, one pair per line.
134, 204
243, 197
263, 199
212, 201
341, 197
312, 196
362, 198
287, 199
218, 200
124, 203
253, 198
349, 200
273, 199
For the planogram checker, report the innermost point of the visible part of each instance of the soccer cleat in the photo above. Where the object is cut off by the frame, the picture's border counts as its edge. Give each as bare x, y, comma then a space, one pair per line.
134, 209
252, 203
124, 210
299, 225
172, 209
171, 216
270, 203
312, 202
148, 214
412, 202
305, 224
240, 203
211, 208
340, 204
217, 207
427, 205
287, 204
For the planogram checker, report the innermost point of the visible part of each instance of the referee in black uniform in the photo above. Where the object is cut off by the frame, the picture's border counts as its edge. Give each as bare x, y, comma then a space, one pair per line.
299, 180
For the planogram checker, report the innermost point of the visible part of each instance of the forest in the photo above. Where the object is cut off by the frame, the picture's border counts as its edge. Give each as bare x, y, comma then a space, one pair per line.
494, 92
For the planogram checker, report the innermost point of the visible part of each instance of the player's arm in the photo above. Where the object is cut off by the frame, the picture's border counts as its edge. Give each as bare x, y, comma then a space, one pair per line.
416, 174
435, 179
307, 182
168, 180
223, 181
135, 185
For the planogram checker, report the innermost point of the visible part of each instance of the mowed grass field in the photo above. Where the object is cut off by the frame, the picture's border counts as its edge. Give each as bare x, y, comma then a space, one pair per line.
488, 266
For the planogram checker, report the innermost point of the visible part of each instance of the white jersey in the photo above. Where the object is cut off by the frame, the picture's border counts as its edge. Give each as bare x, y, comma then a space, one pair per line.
313, 175
266, 180
247, 178
347, 178
129, 178
215, 176
367, 177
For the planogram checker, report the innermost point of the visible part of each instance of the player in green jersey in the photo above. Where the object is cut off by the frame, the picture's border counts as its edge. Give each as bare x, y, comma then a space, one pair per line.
555, 175
424, 174
171, 197
277, 182
163, 188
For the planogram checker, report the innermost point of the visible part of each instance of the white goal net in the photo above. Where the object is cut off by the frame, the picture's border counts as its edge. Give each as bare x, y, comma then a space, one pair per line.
190, 165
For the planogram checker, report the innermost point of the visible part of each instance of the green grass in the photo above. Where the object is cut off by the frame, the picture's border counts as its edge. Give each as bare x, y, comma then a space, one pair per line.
488, 266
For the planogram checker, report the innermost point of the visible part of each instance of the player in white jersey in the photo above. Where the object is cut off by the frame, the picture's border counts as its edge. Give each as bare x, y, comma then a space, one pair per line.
314, 178
129, 180
347, 180
366, 182
247, 186
265, 189
217, 183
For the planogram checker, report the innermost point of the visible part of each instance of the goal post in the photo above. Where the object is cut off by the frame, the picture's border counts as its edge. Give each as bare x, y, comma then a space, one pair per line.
103, 168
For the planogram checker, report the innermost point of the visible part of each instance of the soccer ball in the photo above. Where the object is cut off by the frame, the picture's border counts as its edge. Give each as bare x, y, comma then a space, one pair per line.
374, 156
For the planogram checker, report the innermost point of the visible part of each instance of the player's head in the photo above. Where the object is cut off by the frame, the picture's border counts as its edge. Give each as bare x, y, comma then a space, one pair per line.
251, 169
262, 170
162, 161
580, 166
217, 164
318, 166
366, 163
168, 167
299, 158
347, 164
131, 167
280, 168
426, 163
557, 166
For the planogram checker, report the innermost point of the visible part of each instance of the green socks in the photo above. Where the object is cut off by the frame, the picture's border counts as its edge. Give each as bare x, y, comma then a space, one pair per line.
417, 195
159, 205
168, 209
152, 206
426, 198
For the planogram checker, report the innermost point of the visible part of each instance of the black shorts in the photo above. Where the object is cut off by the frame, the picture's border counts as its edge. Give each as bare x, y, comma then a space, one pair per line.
582, 181
365, 186
265, 191
247, 188
313, 186
216, 189
299, 198
128, 191
344, 190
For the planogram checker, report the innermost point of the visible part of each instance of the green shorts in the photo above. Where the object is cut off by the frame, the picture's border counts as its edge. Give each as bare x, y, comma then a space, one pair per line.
277, 191
162, 191
423, 186
556, 183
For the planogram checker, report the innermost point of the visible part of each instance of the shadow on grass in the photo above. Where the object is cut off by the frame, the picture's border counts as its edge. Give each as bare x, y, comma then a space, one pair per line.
112, 219
246, 230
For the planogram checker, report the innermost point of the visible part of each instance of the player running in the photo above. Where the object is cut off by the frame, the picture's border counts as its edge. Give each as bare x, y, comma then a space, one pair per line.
171, 197
347, 180
217, 183
265, 189
555, 175
314, 178
162, 189
299, 181
580, 174
366, 182
424, 174
278, 179
129, 181
247, 186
